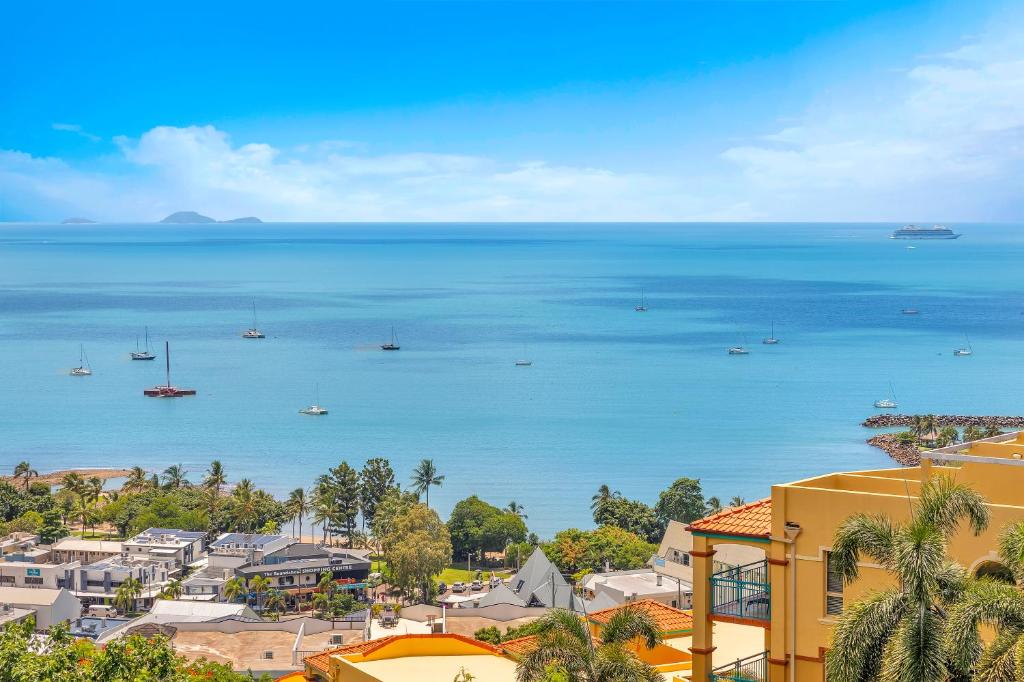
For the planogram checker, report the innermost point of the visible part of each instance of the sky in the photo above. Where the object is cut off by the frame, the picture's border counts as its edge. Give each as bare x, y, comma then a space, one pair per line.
481, 110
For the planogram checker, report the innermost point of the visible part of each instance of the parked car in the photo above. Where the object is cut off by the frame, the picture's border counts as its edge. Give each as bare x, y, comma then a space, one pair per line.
458, 587
477, 586
441, 588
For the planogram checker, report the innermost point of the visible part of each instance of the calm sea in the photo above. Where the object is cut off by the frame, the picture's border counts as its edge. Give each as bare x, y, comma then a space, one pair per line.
614, 396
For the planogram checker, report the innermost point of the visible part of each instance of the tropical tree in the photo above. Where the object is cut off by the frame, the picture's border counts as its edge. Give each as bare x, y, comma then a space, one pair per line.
243, 505
344, 488
737, 501
25, 473
682, 501
375, 480
175, 476
948, 435
516, 509
137, 480
972, 433
897, 634
424, 476
274, 603
604, 493
172, 590
991, 429
215, 477
417, 547
258, 585
564, 640
297, 507
235, 588
127, 594
713, 505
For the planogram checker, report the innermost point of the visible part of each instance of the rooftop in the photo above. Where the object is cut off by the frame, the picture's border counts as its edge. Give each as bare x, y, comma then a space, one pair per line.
638, 582
13, 614
421, 657
33, 596
172, 537
521, 646
246, 540
668, 619
752, 520
72, 544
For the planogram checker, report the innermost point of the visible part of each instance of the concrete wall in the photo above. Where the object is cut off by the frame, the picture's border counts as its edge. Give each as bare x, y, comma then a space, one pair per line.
499, 612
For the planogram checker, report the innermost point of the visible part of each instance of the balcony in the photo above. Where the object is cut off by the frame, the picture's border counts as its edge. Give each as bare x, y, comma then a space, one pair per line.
750, 669
742, 592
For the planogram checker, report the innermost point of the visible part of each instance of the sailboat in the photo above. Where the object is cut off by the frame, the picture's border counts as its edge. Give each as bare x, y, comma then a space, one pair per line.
890, 402
393, 345
522, 362
771, 340
142, 354
168, 391
315, 410
83, 369
253, 332
960, 352
642, 308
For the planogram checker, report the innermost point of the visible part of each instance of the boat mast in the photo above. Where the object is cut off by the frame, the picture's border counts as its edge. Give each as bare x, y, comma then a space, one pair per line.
167, 353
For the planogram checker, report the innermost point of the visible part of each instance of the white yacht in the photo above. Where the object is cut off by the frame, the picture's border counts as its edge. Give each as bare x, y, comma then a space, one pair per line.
738, 350
886, 403
83, 369
140, 354
253, 332
771, 340
316, 409
968, 350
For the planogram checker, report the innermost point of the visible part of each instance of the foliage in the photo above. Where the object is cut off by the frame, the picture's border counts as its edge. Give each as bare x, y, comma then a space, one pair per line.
424, 476
490, 634
573, 550
479, 527
416, 547
898, 633
375, 480
682, 501
12, 502
631, 515
52, 528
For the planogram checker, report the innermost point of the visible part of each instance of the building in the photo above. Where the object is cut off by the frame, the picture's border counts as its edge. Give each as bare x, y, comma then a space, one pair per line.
790, 592
673, 557
621, 587
182, 547
538, 583
165, 613
296, 570
49, 607
18, 544
84, 552
97, 583
37, 575
253, 547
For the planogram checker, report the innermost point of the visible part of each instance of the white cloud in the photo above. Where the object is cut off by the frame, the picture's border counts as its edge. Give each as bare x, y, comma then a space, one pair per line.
76, 129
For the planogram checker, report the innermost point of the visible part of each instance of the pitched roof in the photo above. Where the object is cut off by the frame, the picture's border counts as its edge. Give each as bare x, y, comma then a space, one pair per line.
538, 583
752, 520
668, 619
501, 594
521, 646
30, 596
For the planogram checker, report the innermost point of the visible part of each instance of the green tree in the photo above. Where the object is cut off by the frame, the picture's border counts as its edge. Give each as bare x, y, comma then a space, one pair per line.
991, 430
12, 502
424, 476
714, 505
215, 477
972, 433
682, 501
898, 633
477, 526
564, 640
52, 528
172, 590
573, 550
604, 493
417, 547
297, 506
737, 501
631, 515
344, 488
517, 509
128, 592
258, 585
235, 588
375, 480
176, 476
274, 603
25, 473
136, 481
490, 634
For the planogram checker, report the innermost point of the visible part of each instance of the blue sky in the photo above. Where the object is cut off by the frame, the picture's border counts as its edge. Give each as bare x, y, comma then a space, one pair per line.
528, 110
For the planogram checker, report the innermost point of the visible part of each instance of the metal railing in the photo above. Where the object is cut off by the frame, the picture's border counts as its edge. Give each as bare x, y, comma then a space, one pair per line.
750, 669
742, 592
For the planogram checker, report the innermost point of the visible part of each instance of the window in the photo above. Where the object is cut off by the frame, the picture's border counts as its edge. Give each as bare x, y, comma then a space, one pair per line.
268, 655
33, 581
833, 588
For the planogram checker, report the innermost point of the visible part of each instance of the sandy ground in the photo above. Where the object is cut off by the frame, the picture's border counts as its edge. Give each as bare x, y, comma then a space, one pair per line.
55, 477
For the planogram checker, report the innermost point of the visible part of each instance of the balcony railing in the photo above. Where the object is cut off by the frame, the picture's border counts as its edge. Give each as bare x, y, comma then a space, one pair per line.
742, 592
750, 669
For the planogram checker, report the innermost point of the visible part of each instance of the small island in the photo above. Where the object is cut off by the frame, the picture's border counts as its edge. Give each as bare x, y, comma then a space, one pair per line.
77, 221
246, 219
187, 217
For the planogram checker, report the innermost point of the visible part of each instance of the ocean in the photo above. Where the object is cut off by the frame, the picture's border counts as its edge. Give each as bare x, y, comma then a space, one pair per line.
633, 400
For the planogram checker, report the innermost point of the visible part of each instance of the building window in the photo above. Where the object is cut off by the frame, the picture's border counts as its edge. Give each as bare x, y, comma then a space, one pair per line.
833, 588
33, 581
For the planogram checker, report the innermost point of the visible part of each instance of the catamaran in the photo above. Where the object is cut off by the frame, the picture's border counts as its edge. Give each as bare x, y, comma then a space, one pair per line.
83, 369
393, 345
642, 308
315, 410
960, 352
253, 332
771, 340
890, 402
168, 391
142, 354
738, 350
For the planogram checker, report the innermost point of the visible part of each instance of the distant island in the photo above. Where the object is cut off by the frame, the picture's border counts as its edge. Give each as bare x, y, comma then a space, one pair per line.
77, 221
193, 218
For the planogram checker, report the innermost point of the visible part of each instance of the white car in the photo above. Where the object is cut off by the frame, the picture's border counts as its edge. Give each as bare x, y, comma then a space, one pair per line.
458, 587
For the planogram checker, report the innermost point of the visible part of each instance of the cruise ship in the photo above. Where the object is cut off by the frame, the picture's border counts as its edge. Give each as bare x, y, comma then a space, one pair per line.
915, 232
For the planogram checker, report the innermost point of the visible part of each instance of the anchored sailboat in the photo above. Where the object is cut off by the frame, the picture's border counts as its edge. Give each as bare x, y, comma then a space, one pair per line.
253, 332
315, 410
642, 308
393, 345
960, 352
168, 391
771, 340
142, 354
83, 369
890, 402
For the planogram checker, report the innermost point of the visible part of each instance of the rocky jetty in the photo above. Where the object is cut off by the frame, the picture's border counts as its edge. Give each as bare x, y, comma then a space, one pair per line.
882, 421
905, 454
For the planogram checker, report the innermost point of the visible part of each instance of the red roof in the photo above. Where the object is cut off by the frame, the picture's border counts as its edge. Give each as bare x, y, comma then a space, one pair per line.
752, 520
667, 619
521, 646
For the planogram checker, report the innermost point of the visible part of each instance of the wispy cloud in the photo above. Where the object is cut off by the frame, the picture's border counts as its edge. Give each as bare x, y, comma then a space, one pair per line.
75, 128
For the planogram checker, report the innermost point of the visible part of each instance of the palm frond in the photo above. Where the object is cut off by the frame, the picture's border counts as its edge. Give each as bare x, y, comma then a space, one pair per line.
914, 652
628, 624
615, 663
1011, 549
944, 503
918, 556
1002, 660
859, 637
985, 602
870, 534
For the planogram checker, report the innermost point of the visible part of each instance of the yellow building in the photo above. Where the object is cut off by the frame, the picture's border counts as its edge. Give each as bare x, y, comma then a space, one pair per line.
790, 593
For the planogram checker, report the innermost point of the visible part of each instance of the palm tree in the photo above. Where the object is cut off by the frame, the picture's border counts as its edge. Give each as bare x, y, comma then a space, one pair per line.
897, 634
174, 477
297, 506
948, 435
234, 588
737, 501
172, 590
136, 481
565, 640
25, 472
244, 505
424, 476
714, 505
322, 602
127, 594
258, 585
514, 507
215, 477
972, 432
73, 483
604, 493
991, 429
275, 603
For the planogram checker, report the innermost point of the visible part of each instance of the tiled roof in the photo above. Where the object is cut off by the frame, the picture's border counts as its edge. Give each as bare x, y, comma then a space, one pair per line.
521, 646
665, 617
321, 661
752, 520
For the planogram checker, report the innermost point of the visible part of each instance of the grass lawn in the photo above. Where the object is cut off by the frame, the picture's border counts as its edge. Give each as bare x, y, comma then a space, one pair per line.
453, 575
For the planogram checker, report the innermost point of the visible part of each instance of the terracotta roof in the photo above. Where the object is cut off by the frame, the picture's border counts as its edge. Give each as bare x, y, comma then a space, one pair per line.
665, 617
521, 646
321, 661
752, 520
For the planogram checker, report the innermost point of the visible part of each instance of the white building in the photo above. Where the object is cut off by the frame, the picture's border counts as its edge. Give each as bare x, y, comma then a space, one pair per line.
98, 582
49, 606
643, 583
33, 575
179, 546
85, 552
171, 611
673, 557
253, 547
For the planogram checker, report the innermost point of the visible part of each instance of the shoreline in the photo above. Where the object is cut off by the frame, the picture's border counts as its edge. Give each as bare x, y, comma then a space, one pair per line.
55, 477
881, 421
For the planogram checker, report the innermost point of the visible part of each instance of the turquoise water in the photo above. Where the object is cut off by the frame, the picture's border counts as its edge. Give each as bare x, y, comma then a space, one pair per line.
614, 396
